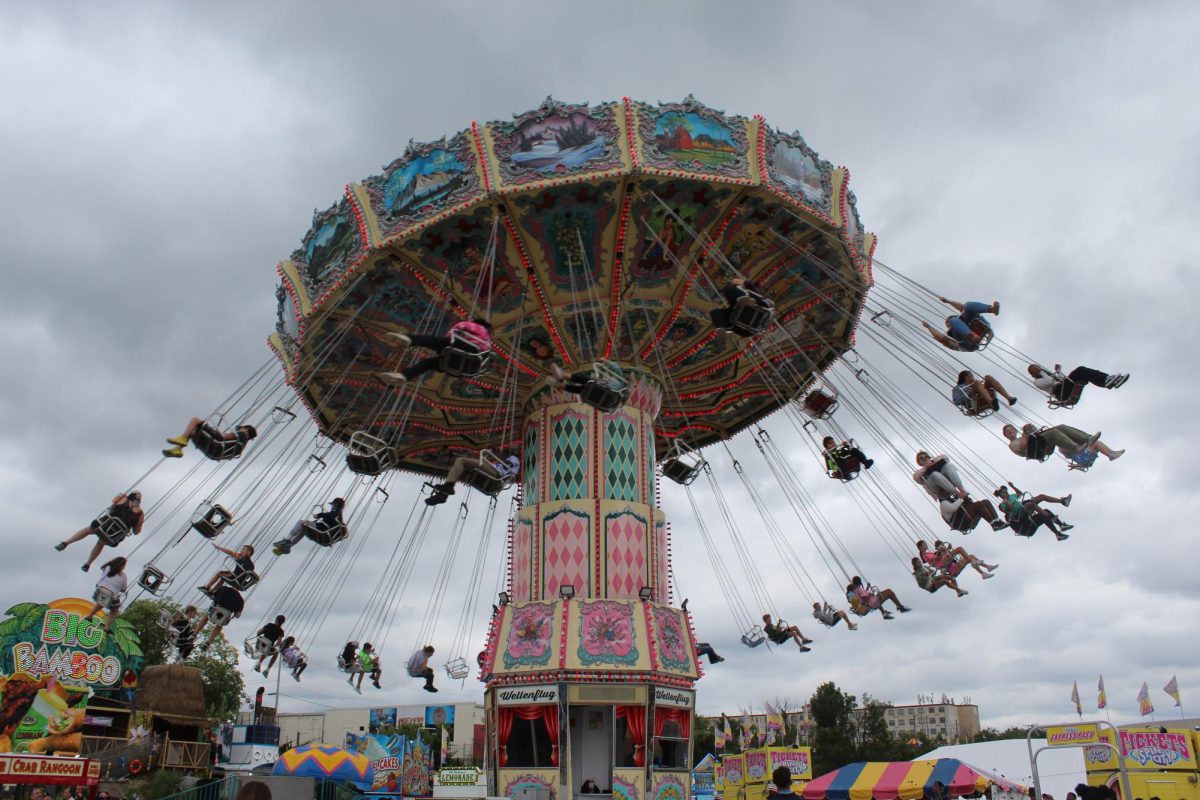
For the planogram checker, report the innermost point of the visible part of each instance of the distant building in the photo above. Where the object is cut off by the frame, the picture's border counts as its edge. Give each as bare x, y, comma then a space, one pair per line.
943, 717
331, 727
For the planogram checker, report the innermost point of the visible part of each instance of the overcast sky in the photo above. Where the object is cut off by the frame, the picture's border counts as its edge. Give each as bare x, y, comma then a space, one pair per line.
160, 159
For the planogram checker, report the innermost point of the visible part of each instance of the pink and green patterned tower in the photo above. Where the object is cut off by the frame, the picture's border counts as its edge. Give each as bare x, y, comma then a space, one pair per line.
589, 668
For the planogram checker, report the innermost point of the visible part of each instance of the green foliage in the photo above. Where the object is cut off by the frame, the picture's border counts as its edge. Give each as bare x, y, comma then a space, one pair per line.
142, 617
991, 734
157, 784
705, 738
874, 740
833, 738
223, 684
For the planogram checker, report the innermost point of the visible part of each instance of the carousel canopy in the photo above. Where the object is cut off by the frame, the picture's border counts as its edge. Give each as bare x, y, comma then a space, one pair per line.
584, 233
903, 780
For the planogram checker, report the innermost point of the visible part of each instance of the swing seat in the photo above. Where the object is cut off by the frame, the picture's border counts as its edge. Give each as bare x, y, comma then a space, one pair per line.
820, 403
111, 530
751, 315
209, 523
753, 637
351, 667
369, 455
219, 616
468, 356
1082, 461
242, 581
106, 598
848, 473
682, 463
214, 447
457, 669
256, 646
153, 580
489, 481
981, 328
164, 619
325, 536
602, 396
970, 411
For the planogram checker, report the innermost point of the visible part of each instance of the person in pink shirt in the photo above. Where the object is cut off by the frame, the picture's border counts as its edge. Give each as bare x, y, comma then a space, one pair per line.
475, 334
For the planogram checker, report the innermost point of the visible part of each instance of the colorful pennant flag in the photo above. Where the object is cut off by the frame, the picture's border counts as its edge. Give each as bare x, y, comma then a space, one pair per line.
744, 733
445, 745
1101, 697
722, 736
1143, 699
1172, 688
1075, 697
774, 728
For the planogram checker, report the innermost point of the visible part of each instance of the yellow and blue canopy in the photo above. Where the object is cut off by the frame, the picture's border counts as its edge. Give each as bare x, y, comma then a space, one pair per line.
324, 761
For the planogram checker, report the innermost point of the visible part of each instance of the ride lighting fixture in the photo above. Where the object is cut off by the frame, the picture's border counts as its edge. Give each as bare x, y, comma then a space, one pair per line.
566, 591
646, 593
504, 598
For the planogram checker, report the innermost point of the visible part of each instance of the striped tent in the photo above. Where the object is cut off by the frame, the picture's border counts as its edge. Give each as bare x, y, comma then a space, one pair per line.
902, 780
324, 761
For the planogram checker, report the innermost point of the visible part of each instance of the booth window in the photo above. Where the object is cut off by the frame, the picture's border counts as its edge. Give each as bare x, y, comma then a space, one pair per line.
528, 736
672, 727
629, 736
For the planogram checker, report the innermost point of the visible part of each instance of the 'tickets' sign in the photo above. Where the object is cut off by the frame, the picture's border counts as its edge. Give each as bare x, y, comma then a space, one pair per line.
51, 659
1145, 750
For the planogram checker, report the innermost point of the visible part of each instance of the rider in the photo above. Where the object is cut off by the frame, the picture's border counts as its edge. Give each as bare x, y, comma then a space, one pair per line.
959, 335
843, 460
1067, 389
734, 291
931, 581
225, 597
976, 397
509, 467
185, 635
293, 658
952, 560
418, 667
242, 564
939, 477
963, 514
125, 507
238, 438
115, 581
705, 649
828, 616
779, 634
611, 375
368, 663
479, 329
323, 521
272, 632
872, 598
1073, 443
1026, 516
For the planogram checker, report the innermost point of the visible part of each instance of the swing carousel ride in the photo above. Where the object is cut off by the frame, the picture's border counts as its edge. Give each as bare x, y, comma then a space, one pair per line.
600, 244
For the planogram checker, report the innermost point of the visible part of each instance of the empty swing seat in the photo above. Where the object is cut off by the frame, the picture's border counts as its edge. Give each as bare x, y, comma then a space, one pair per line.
210, 519
682, 464
457, 668
111, 530
325, 536
753, 637
820, 403
468, 356
214, 447
369, 455
153, 580
751, 315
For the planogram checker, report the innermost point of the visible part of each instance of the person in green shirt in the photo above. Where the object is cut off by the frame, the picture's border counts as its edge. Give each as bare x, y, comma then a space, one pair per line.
368, 662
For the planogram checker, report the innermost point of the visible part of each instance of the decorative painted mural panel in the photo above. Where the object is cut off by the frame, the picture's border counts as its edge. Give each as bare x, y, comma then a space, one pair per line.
426, 180
607, 634
621, 468
566, 549
556, 140
692, 137
626, 539
569, 456
530, 636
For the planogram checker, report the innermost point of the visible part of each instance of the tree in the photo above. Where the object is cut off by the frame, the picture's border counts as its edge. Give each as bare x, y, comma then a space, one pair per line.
223, 684
833, 738
991, 734
874, 740
705, 737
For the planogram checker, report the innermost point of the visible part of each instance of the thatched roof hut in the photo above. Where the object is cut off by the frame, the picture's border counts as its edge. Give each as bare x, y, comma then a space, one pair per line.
173, 693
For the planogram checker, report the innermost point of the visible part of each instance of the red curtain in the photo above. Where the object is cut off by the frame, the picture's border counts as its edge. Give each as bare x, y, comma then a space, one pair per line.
635, 718
547, 714
678, 715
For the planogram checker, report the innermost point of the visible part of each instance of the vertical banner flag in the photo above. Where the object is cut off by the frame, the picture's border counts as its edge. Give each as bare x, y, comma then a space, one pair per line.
744, 734
445, 745
1172, 688
723, 736
1101, 697
1143, 699
1075, 697
774, 728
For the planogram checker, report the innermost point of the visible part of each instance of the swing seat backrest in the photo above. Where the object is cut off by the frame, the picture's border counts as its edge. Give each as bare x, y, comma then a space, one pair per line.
259, 646
351, 666
679, 471
753, 637
457, 669
603, 397
111, 530
215, 448
487, 479
468, 355
105, 597
369, 455
219, 616
164, 619
751, 315
153, 580
983, 330
209, 523
243, 581
820, 403
325, 536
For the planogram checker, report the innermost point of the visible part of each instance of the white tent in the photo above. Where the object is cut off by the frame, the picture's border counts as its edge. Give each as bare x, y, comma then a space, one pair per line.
1059, 769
